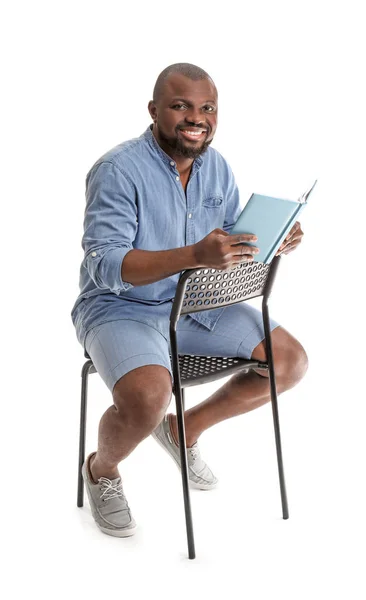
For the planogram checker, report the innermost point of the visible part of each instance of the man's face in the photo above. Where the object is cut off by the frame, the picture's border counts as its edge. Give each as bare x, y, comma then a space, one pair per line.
185, 116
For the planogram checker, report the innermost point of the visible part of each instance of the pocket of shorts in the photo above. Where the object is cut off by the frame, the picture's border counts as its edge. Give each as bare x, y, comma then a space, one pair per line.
212, 201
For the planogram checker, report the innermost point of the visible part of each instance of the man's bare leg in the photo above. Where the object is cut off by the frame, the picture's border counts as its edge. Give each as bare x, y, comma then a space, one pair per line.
245, 392
140, 398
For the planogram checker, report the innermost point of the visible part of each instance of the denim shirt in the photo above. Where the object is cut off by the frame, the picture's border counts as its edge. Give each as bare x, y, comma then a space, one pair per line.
135, 199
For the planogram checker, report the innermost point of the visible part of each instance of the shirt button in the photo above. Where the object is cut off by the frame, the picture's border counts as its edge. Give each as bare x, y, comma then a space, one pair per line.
190, 216
172, 163
177, 178
94, 253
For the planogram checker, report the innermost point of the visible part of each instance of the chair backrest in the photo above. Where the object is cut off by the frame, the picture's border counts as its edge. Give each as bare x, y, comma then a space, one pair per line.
204, 289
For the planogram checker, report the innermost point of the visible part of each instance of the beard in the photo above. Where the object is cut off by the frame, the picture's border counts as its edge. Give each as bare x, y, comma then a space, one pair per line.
181, 149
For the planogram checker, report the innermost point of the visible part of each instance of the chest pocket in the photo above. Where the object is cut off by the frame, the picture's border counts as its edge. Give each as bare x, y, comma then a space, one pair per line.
212, 201
211, 214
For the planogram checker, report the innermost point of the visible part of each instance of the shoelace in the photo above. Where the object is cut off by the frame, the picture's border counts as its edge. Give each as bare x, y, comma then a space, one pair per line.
110, 490
194, 452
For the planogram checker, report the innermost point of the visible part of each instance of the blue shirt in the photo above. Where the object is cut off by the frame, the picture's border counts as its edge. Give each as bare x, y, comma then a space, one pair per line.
135, 199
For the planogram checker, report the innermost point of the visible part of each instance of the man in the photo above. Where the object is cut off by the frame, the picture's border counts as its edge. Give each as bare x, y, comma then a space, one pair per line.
157, 205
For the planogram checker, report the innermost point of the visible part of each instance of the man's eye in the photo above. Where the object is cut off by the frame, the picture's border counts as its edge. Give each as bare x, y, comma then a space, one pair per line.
178, 105
210, 108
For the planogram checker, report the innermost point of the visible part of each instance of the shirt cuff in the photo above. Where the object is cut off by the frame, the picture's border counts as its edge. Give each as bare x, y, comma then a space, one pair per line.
106, 269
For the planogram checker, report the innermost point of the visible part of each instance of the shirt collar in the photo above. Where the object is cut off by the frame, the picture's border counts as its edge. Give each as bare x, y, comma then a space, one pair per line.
149, 136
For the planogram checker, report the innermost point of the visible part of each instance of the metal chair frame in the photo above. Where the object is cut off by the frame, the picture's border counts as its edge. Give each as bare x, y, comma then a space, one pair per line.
198, 290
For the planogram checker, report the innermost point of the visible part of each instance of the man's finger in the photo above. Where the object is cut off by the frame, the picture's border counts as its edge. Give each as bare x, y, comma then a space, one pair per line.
296, 236
242, 250
293, 235
294, 229
243, 237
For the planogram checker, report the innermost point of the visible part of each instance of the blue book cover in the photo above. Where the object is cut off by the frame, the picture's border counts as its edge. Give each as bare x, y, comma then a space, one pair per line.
270, 219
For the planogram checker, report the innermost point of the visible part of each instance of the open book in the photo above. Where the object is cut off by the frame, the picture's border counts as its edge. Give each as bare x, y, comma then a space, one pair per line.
270, 219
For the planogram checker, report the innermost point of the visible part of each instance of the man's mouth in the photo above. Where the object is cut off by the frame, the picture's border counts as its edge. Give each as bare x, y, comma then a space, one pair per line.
193, 134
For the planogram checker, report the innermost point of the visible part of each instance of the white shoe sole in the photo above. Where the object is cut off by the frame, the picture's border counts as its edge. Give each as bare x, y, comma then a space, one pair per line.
118, 532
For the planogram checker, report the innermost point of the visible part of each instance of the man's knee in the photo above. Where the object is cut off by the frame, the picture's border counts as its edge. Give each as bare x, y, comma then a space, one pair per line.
290, 358
143, 395
292, 363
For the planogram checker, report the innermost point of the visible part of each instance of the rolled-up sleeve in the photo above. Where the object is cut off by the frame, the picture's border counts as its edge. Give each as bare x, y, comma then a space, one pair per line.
233, 208
110, 225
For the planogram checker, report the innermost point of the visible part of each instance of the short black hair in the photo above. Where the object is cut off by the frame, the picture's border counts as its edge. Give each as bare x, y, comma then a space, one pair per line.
187, 69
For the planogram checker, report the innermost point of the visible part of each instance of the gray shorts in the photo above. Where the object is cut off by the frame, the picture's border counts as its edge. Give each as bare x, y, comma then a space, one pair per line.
118, 347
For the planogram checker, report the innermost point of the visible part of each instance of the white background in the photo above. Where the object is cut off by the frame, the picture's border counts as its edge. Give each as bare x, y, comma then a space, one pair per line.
77, 78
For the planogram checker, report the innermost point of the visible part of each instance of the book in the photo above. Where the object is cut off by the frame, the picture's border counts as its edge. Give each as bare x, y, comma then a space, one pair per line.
270, 219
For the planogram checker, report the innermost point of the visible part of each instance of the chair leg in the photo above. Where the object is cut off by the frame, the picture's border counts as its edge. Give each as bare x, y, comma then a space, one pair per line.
272, 381
183, 400
184, 471
179, 401
83, 409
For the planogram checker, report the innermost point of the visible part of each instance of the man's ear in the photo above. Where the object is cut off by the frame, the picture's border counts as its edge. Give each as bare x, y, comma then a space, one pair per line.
152, 110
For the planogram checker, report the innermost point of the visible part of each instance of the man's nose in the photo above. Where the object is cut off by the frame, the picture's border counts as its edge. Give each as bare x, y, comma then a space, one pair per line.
194, 116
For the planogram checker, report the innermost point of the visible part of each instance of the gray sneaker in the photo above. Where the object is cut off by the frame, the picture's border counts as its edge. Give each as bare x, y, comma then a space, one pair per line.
199, 475
108, 504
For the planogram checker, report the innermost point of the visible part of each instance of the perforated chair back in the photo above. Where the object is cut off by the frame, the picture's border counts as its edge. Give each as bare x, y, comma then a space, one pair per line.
205, 289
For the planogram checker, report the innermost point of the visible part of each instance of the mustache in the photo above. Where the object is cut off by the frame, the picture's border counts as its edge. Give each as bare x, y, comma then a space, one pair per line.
193, 127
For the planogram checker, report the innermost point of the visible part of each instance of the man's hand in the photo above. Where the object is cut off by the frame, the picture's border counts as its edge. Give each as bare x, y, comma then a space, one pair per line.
219, 250
292, 240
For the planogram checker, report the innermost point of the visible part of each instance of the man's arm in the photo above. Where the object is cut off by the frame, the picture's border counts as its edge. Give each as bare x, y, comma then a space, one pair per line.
141, 267
218, 250
110, 225
110, 229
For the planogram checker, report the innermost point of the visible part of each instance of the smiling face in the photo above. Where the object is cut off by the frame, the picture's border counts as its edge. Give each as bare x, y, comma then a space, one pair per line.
185, 116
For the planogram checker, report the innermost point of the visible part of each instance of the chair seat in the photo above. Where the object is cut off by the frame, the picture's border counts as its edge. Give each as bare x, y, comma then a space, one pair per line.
195, 370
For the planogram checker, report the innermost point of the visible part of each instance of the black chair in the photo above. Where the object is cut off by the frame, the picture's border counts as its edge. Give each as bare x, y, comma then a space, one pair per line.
197, 290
